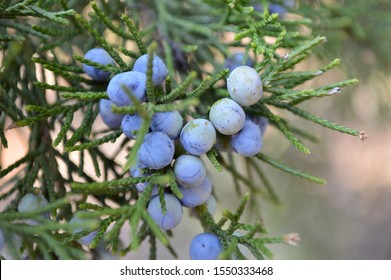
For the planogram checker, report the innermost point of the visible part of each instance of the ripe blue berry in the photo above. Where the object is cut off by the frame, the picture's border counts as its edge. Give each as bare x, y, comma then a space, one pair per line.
198, 136
87, 239
248, 141
205, 246
131, 123
134, 82
100, 56
281, 9
173, 211
31, 202
276, 8
197, 195
110, 118
236, 60
159, 69
156, 151
170, 123
227, 116
13, 242
136, 171
142, 186
189, 171
262, 122
244, 85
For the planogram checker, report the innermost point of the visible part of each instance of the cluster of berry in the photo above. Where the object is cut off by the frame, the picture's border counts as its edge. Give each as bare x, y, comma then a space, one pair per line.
196, 137
226, 119
157, 150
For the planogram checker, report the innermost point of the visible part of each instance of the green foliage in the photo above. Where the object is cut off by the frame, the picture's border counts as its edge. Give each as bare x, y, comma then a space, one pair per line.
362, 27
42, 87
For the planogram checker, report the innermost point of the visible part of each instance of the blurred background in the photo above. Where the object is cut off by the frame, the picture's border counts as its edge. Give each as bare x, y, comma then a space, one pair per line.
350, 217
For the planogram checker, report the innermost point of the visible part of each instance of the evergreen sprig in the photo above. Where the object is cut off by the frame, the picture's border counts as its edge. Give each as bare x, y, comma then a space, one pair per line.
53, 92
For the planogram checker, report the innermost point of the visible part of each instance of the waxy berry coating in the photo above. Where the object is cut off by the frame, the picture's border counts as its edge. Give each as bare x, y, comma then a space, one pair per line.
244, 85
262, 122
111, 119
124, 83
205, 246
198, 136
87, 239
98, 55
159, 69
31, 202
227, 116
136, 171
173, 211
156, 151
197, 195
248, 141
189, 171
170, 123
130, 124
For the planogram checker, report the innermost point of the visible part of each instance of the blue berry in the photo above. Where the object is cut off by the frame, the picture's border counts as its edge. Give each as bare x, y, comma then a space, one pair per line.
189, 171
198, 136
31, 202
248, 141
87, 239
170, 123
156, 151
13, 242
281, 9
110, 118
142, 186
277, 8
262, 122
244, 85
131, 123
159, 69
173, 211
205, 246
236, 60
197, 195
227, 116
133, 81
136, 171
100, 56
